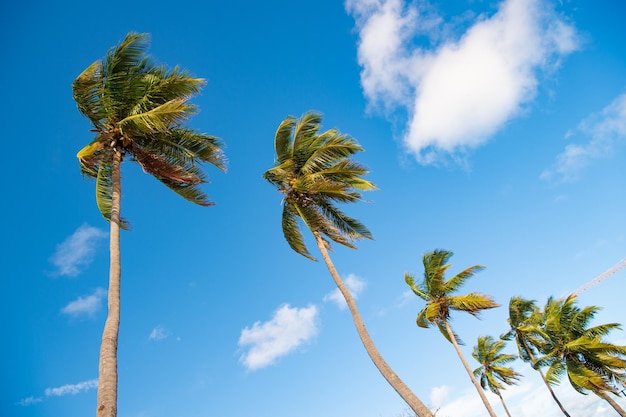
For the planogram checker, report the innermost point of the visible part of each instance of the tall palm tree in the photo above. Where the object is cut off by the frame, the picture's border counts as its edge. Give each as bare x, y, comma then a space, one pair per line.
313, 172
137, 109
493, 370
436, 291
574, 349
524, 321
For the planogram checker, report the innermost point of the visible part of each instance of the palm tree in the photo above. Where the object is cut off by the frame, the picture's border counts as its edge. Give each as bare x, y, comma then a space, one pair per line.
524, 321
136, 109
493, 370
313, 172
435, 290
572, 347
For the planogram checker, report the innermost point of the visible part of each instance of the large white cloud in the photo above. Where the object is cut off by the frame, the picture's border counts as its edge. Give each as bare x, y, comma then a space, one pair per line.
460, 92
289, 328
77, 251
606, 130
86, 305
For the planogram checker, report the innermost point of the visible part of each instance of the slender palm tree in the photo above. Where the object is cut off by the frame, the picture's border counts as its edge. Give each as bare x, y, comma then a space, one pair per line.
436, 291
574, 349
137, 109
313, 172
524, 321
493, 370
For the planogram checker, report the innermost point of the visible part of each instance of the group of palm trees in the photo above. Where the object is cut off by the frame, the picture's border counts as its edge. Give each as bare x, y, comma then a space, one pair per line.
137, 110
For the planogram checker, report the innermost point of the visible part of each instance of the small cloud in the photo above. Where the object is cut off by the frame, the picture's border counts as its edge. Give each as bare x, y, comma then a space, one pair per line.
69, 389
87, 305
77, 251
288, 329
159, 333
439, 395
460, 91
355, 286
606, 130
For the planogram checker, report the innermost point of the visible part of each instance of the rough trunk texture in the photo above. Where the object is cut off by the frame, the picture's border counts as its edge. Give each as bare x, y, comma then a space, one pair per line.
606, 397
397, 384
545, 381
483, 397
107, 368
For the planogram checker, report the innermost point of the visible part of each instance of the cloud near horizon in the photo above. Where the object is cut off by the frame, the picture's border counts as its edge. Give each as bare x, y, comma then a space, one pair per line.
354, 284
460, 92
77, 251
289, 328
69, 389
606, 130
87, 305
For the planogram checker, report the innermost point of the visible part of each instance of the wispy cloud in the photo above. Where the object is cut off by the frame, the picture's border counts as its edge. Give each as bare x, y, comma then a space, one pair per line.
288, 329
461, 91
159, 333
87, 305
606, 130
77, 251
69, 389
355, 286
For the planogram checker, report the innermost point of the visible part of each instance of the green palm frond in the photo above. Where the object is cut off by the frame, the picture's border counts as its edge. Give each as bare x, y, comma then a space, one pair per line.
472, 303
159, 119
283, 141
459, 279
104, 188
291, 231
87, 91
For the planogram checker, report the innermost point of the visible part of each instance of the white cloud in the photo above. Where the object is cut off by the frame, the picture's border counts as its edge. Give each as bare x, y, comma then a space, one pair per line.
606, 130
438, 395
69, 389
159, 333
462, 91
87, 305
354, 284
77, 251
288, 329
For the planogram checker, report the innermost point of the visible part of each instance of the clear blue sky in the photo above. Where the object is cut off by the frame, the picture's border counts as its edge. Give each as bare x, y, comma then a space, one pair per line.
493, 129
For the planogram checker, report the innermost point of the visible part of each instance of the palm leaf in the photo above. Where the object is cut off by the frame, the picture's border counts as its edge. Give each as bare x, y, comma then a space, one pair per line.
291, 231
87, 92
282, 140
159, 119
104, 189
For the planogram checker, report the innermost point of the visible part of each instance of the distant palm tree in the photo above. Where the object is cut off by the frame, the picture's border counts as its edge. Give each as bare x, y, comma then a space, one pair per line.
574, 349
313, 172
436, 291
524, 321
492, 370
136, 109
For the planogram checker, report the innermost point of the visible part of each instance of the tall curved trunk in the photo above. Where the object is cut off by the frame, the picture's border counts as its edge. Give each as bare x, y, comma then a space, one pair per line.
396, 383
107, 367
606, 397
483, 397
545, 381
504, 404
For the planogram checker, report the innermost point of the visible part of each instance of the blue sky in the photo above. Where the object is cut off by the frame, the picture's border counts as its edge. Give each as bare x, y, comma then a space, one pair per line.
494, 129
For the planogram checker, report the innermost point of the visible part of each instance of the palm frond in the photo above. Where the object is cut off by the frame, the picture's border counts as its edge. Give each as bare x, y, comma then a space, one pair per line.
87, 92
459, 279
472, 303
104, 189
159, 119
282, 139
291, 231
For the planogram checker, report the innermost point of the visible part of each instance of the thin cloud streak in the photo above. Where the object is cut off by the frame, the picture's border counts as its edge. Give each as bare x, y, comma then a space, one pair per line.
354, 284
87, 305
69, 389
460, 93
288, 329
606, 129
159, 333
77, 251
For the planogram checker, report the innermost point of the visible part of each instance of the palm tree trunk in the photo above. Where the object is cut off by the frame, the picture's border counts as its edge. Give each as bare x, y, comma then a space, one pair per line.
504, 404
483, 397
606, 397
545, 381
107, 368
396, 383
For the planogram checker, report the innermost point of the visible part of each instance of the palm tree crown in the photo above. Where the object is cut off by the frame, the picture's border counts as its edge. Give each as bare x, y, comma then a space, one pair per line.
436, 290
313, 171
572, 347
136, 109
488, 352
